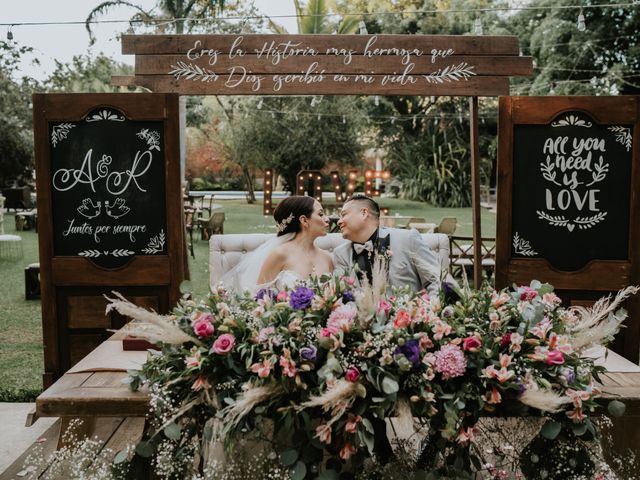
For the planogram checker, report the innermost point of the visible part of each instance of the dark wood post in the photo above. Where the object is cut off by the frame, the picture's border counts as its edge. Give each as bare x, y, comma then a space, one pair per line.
475, 192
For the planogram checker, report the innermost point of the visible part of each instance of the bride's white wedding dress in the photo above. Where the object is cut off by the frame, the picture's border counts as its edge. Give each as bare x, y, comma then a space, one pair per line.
244, 276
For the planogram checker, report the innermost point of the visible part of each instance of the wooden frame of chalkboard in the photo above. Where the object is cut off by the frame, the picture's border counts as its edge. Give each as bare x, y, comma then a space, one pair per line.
110, 214
568, 199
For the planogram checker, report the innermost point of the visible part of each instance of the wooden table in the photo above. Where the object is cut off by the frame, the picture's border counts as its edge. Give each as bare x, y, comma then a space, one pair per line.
397, 221
93, 390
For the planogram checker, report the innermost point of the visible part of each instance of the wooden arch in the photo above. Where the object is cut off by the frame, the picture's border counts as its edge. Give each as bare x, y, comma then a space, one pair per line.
259, 64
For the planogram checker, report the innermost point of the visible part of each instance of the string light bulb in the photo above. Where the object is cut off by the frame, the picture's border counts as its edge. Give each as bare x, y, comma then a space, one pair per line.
362, 27
376, 100
582, 26
9, 33
260, 102
477, 27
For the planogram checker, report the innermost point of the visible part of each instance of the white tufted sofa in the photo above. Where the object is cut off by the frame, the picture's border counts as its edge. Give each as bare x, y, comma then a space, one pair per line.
225, 251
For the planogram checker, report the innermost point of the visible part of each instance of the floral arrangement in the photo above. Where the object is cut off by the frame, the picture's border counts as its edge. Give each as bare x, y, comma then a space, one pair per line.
314, 371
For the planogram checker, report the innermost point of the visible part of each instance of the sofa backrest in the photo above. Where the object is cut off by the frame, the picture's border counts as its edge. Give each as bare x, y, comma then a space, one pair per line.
225, 251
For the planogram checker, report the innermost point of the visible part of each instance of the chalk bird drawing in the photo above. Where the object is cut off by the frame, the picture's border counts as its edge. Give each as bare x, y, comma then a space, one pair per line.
89, 209
118, 209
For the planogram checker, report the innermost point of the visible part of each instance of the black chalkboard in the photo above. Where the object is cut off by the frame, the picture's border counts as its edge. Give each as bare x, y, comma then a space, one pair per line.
571, 191
108, 188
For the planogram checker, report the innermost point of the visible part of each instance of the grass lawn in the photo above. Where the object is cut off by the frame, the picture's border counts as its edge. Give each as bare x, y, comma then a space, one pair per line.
21, 362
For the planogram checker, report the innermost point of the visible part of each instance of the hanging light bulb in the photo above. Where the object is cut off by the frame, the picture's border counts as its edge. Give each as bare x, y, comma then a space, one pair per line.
582, 26
273, 114
318, 117
363, 27
393, 120
260, 103
10, 33
344, 119
376, 100
477, 27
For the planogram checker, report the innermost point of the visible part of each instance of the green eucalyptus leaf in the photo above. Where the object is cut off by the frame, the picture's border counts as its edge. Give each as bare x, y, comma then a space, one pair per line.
172, 431
298, 471
120, 457
579, 429
366, 423
329, 475
616, 408
145, 449
289, 457
389, 385
551, 429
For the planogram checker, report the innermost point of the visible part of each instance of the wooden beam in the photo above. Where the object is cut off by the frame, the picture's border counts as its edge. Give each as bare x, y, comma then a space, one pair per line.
475, 192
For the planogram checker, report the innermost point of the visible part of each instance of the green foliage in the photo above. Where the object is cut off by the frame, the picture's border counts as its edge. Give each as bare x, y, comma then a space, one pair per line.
314, 18
86, 74
16, 138
286, 135
602, 60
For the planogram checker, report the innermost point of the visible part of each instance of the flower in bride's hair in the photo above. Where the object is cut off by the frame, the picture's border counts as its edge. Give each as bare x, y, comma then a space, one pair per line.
282, 225
301, 298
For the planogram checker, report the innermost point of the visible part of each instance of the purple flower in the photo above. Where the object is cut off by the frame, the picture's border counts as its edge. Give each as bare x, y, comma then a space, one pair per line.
450, 293
308, 353
411, 350
347, 296
265, 292
301, 298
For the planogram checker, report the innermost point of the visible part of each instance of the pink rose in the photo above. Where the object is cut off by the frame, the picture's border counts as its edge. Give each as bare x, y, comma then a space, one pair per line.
282, 296
353, 374
555, 357
402, 320
224, 344
471, 344
203, 327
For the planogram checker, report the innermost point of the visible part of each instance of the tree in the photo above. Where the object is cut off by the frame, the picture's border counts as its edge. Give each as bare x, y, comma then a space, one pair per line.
174, 11
315, 18
604, 59
86, 74
285, 135
16, 136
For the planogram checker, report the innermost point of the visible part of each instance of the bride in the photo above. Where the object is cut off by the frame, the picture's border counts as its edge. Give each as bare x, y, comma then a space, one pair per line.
292, 255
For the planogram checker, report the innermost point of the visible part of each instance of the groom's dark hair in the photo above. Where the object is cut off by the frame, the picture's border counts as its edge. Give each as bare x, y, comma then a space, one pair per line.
370, 203
288, 212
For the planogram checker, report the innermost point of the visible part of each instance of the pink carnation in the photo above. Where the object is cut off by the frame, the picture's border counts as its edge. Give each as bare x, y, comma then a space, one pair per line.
450, 362
527, 293
223, 344
341, 318
471, 344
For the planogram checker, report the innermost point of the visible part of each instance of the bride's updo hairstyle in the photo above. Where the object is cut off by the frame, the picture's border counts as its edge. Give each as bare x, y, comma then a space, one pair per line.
288, 212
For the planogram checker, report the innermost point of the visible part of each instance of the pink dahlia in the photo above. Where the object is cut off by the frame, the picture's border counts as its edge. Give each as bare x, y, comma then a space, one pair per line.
450, 362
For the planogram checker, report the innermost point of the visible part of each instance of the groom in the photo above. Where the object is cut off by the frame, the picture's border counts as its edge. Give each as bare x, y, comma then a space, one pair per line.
411, 262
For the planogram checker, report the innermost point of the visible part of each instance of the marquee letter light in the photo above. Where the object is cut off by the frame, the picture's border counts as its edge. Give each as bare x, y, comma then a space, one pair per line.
337, 187
351, 182
369, 175
313, 176
267, 205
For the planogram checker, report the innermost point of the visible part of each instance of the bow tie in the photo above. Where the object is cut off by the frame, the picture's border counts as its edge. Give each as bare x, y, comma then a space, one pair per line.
360, 247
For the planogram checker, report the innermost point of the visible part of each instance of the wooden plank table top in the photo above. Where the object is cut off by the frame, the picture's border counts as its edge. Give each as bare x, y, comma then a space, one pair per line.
97, 393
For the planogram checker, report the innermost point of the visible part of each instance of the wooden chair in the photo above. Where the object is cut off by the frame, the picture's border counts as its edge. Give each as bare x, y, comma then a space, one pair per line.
461, 256
447, 225
214, 225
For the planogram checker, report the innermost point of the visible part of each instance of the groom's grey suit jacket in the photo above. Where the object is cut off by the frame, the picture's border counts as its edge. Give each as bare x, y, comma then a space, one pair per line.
411, 262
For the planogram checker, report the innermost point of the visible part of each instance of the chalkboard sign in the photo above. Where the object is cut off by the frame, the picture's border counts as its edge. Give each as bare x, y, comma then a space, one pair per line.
108, 188
568, 203
571, 191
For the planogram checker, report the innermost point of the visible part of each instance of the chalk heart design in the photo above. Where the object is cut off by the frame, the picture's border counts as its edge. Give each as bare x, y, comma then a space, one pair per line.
570, 227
